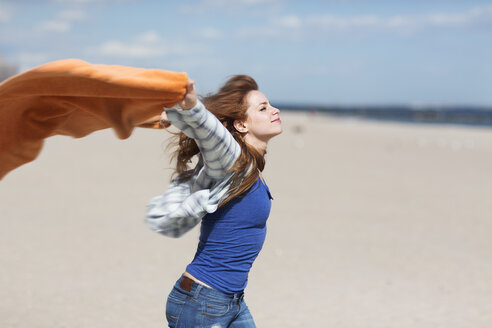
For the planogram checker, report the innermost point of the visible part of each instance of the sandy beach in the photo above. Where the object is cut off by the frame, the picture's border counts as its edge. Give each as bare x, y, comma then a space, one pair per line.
374, 224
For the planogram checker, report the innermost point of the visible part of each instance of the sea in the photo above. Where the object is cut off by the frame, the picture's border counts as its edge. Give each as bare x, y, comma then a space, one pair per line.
461, 115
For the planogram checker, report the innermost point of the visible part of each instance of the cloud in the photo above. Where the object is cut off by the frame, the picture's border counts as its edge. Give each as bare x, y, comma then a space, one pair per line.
72, 15
336, 22
474, 15
55, 26
211, 33
145, 45
291, 21
63, 21
301, 27
121, 49
241, 2
85, 2
423, 21
149, 37
236, 7
75, 1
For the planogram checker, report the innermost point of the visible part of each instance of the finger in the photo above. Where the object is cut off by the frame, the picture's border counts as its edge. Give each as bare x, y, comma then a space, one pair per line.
165, 124
190, 86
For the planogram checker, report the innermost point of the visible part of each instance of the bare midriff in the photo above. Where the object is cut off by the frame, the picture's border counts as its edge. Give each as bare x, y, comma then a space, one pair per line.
186, 274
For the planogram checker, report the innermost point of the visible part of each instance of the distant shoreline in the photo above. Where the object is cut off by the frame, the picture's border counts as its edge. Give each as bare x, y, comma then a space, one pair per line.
463, 115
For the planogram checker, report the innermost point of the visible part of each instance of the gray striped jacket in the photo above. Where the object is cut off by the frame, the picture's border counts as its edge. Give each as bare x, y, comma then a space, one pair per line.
185, 203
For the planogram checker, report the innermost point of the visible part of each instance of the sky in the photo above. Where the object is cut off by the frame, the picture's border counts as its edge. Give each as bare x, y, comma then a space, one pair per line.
332, 52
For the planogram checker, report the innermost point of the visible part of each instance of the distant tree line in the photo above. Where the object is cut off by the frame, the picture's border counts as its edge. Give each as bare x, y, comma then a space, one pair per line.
458, 114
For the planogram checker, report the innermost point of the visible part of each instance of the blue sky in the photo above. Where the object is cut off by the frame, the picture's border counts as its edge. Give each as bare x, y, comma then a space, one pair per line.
315, 52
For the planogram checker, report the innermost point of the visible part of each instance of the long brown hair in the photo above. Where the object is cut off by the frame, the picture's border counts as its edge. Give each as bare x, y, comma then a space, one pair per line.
228, 104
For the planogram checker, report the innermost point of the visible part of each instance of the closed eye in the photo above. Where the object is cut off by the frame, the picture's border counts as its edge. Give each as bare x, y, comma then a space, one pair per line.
262, 109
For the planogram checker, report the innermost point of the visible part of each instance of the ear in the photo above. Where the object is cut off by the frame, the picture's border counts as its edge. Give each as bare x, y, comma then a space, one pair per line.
240, 126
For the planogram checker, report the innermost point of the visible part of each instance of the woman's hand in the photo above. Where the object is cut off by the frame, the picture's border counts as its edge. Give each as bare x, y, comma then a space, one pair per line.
190, 98
188, 102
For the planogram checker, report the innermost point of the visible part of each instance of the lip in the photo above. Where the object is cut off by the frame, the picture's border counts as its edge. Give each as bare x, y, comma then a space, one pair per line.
277, 120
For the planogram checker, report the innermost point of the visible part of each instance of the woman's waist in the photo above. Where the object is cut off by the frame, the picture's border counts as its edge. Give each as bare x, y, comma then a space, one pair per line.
226, 280
195, 286
190, 276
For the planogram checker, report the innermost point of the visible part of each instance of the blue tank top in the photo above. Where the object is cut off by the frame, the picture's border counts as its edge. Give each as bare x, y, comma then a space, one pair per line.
230, 240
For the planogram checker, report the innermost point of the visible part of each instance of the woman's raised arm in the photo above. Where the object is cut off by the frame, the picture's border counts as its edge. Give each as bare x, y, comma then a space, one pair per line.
217, 146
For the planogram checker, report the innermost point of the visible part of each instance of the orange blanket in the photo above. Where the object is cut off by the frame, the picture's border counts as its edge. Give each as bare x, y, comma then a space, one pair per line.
72, 97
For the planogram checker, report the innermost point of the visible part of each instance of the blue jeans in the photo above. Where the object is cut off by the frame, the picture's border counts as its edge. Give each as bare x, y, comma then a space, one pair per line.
206, 307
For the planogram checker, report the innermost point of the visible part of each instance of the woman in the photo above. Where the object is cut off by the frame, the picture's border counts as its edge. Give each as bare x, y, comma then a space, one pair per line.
229, 132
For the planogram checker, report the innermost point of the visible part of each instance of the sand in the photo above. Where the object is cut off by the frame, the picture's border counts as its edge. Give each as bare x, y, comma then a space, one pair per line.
374, 224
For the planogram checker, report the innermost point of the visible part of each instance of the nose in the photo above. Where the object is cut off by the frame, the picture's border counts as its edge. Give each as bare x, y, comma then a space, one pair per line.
276, 111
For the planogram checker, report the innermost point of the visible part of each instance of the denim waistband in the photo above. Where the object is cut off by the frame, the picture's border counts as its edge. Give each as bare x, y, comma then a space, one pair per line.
201, 290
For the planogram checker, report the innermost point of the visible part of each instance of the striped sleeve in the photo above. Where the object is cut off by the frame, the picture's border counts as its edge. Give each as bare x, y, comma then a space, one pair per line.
185, 203
217, 146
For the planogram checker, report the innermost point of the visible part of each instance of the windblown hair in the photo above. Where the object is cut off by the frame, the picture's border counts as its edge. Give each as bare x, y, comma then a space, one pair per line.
228, 104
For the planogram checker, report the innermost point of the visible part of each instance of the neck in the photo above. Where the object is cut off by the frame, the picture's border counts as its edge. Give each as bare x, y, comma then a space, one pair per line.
259, 145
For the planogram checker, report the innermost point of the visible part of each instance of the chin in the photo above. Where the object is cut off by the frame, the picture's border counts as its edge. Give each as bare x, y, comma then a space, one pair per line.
276, 133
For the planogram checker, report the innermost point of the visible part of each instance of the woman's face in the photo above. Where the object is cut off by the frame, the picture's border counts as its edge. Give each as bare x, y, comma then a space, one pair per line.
263, 121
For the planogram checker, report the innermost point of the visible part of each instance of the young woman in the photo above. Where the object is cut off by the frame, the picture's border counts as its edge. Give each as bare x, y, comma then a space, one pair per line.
229, 132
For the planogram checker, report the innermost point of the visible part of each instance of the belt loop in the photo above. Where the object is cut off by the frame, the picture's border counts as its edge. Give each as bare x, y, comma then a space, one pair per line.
197, 291
238, 298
